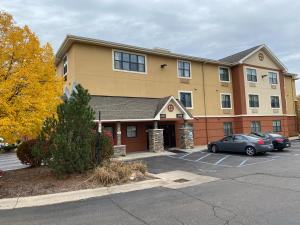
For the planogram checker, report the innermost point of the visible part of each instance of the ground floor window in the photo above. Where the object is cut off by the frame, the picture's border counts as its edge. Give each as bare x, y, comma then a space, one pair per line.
255, 126
276, 124
131, 131
227, 128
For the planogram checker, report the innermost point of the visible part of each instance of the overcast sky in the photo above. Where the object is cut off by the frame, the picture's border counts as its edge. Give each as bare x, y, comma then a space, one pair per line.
205, 28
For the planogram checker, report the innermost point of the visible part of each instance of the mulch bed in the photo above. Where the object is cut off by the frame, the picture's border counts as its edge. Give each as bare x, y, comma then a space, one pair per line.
38, 181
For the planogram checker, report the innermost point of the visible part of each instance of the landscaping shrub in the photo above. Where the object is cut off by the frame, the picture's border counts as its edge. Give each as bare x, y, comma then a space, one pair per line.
24, 153
106, 146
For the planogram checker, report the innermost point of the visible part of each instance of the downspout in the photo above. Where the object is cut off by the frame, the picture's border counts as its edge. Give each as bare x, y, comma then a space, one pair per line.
204, 96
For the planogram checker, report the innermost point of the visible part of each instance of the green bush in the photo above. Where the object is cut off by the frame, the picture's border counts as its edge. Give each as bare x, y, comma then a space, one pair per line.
24, 153
106, 146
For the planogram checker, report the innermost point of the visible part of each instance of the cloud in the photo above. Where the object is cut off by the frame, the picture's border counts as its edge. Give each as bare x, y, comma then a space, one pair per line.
206, 28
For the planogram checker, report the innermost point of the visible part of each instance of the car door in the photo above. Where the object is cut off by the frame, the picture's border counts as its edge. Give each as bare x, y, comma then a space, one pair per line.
226, 144
240, 143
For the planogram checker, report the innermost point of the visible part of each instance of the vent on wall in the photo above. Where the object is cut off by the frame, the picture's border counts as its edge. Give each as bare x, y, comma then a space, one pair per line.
251, 84
273, 86
275, 110
254, 110
226, 111
224, 84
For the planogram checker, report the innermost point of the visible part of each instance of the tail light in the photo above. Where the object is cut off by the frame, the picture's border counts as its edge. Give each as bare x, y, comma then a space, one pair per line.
279, 139
260, 142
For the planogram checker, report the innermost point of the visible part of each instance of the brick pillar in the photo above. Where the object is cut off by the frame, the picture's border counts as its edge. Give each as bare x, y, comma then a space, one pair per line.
119, 149
156, 140
186, 137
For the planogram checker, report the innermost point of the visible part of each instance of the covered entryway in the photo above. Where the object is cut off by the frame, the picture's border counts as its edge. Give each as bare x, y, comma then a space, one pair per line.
169, 135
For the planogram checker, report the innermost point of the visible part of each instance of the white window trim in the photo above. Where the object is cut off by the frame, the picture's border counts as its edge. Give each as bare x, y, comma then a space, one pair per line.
246, 75
221, 100
191, 98
67, 63
248, 100
229, 74
128, 71
179, 60
278, 100
277, 77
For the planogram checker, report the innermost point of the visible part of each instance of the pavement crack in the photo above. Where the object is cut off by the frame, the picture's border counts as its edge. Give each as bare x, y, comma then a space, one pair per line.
16, 203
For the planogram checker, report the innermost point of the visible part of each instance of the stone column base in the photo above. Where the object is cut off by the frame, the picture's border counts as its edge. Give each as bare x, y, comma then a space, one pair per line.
186, 138
119, 150
156, 140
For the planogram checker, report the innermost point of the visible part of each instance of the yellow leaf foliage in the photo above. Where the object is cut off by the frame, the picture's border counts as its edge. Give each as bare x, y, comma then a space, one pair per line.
30, 90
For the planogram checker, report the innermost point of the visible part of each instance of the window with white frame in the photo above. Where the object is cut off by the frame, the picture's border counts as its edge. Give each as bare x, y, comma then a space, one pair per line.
65, 65
255, 126
275, 102
251, 75
129, 62
226, 101
273, 78
186, 99
253, 101
227, 128
224, 74
131, 131
276, 124
184, 69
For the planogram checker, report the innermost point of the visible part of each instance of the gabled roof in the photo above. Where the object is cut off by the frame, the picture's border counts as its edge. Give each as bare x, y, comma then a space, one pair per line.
240, 57
132, 108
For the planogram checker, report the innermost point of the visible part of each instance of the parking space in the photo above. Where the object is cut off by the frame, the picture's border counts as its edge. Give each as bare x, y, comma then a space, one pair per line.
237, 160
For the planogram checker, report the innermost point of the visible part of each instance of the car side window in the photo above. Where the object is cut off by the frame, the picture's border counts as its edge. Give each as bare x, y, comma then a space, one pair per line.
228, 139
239, 138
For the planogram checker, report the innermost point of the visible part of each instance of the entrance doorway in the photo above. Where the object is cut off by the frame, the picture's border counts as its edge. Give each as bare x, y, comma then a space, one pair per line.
169, 135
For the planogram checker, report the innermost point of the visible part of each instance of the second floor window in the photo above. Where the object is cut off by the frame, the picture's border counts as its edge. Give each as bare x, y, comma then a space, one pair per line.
255, 126
273, 78
226, 101
129, 62
253, 101
227, 128
184, 69
65, 65
224, 74
186, 99
275, 102
251, 75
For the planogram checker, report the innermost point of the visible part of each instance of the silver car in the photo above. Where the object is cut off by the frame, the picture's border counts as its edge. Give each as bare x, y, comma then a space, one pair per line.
251, 145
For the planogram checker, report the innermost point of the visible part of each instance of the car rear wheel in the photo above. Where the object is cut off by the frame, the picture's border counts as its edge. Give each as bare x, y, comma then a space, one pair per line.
280, 149
250, 151
214, 149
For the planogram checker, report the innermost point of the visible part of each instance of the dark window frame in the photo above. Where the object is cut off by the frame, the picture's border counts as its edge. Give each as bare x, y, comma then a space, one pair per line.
184, 102
222, 75
136, 62
275, 102
251, 77
65, 65
253, 102
273, 77
227, 128
276, 126
127, 131
225, 104
184, 72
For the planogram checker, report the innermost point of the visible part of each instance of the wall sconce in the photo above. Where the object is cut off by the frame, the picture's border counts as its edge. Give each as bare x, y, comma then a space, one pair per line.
263, 76
162, 66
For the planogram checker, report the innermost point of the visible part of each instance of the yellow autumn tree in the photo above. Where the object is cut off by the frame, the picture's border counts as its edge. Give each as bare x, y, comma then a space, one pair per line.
29, 87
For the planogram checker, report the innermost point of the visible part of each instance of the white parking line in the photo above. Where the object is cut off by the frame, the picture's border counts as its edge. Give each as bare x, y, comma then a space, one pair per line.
181, 157
202, 157
221, 160
242, 163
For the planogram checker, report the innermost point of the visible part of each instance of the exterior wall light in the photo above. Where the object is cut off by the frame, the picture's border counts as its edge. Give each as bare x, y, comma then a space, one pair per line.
163, 66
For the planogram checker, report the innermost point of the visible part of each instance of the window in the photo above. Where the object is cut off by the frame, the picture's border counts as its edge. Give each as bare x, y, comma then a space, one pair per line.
253, 101
255, 126
65, 65
228, 139
227, 128
131, 131
273, 78
275, 102
129, 62
239, 138
224, 74
226, 101
251, 75
186, 99
184, 69
276, 124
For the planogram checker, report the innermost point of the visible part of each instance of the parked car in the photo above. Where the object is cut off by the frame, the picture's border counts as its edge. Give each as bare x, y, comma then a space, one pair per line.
279, 142
251, 145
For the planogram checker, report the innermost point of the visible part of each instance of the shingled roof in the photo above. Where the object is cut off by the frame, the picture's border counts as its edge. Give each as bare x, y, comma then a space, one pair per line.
235, 58
130, 108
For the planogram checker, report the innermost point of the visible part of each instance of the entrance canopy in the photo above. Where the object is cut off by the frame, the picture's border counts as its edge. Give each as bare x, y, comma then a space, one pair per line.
138, 109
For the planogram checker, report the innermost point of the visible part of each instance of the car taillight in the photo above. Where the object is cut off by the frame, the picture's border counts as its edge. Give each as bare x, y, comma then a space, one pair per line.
279, 140
260, 142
